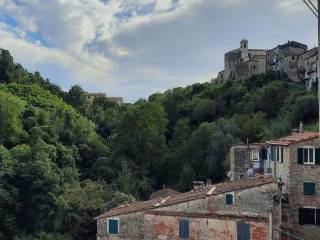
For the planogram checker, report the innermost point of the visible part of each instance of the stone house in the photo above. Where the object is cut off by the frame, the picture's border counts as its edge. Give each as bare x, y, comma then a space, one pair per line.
232, 210
242, 63
92, 96
294, 161
308, 67
284, 58
247, 159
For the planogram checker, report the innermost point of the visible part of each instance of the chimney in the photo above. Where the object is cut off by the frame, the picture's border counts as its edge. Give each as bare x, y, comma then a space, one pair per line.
198, 185
301, 127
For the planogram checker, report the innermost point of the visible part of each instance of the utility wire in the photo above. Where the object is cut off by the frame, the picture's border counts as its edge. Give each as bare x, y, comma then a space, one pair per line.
314, 7
311, 9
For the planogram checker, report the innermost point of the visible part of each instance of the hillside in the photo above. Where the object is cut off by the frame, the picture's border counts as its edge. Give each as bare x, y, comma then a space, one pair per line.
63, 161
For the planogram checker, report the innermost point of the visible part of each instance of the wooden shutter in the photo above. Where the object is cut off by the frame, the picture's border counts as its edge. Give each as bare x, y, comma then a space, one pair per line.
113, 226
309, 188
307, 216
318, 217
243, 231
272, 149
300, 155
229, 199
317, 153
281, 149
184, 228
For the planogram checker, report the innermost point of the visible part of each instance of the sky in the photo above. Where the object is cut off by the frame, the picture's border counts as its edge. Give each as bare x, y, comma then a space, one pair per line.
134, 48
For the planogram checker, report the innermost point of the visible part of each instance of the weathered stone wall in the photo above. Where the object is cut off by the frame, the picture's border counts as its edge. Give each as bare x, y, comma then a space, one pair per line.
167, 227
131, 227
256, 201
298, 175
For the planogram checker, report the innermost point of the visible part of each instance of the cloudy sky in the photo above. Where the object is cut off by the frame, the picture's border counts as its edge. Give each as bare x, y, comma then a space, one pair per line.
133, 48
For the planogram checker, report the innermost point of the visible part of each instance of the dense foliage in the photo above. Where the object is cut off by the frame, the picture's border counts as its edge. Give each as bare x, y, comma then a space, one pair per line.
64, 160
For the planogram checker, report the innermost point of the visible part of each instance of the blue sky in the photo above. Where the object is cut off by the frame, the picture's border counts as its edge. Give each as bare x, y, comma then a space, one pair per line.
133, 48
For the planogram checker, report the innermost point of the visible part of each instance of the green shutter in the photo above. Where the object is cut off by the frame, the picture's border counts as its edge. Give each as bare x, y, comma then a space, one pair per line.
229, 199
243, 231
300, 155
113, 226
309, 188
272, 153
184, 228
317, 156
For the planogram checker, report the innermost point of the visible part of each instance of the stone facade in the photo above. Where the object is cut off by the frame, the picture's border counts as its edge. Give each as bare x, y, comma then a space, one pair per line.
308, 67
243, 157
292, 59
207, 212
294, 175
284, 58
242, 63
131, 227
166, 226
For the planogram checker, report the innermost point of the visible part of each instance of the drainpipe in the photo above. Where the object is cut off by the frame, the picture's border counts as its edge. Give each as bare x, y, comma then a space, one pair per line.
270, 226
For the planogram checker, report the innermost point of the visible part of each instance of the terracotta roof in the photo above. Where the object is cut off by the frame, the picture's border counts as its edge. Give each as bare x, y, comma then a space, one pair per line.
295, 138
165, 192
216, 189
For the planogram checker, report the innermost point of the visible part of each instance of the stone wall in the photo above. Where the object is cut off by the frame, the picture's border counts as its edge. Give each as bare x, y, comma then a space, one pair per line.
201, 228
131, 227
298, 175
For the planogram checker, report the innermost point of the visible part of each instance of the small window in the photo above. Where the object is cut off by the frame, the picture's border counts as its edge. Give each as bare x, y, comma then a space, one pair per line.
255, 155
113, 226
308, 155
309, 188
279, 154
229, 199
184, 228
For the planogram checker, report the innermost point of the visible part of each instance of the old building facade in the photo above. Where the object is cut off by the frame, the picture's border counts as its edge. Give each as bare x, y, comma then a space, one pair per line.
231, 210
291, 59
284, 58
295, 162
242, 63
308, 67
92, 96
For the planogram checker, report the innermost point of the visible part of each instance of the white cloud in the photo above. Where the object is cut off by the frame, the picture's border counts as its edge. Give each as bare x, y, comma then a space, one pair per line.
136, 47
291, 6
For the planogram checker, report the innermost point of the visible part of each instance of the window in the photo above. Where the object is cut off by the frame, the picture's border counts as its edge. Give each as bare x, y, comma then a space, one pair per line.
309, 216
113, 226
279, 154
309, 188
307, 155
243, 231
255, 155
183, 228
229, 198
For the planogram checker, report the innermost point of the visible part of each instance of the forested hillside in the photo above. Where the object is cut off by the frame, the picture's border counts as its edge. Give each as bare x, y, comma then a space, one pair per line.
63, 160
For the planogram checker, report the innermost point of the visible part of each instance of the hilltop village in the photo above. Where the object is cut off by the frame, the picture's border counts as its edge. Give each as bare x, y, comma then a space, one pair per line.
291, 58
272, 190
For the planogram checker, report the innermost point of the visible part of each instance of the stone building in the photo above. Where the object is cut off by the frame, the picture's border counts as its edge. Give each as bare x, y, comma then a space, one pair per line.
246, 160
284, 58
92, 96
242, 63
295, 162
232, 210
308, 67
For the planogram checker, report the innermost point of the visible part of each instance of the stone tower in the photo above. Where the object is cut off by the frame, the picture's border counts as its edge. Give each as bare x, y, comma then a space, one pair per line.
244, 49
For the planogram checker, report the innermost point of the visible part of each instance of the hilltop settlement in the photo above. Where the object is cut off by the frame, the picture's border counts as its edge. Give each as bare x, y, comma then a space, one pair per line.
273, 186
291, 58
